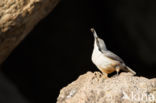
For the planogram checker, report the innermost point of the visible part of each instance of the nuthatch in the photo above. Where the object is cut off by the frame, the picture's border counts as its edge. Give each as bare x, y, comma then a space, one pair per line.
105, 60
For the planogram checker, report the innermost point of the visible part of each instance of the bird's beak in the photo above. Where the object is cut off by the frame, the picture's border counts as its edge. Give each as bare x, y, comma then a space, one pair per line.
94, 33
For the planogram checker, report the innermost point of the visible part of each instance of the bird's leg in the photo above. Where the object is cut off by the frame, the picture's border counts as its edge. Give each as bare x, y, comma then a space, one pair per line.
117, 68
105, 75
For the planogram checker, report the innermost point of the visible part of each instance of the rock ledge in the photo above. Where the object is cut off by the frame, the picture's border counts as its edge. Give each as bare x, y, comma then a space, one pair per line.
93, 88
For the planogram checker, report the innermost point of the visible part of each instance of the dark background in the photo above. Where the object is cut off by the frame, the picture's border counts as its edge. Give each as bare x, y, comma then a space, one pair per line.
59, 48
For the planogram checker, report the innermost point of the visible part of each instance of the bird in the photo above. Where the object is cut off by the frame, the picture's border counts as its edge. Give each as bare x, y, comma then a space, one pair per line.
105, 60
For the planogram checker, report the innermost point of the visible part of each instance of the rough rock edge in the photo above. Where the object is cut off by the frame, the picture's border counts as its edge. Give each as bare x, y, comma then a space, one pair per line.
17, 19
93, 88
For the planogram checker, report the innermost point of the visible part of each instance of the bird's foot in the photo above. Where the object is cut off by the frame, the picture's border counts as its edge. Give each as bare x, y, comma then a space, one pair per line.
105, 75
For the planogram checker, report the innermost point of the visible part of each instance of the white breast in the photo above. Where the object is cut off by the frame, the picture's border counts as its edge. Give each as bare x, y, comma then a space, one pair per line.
100, 60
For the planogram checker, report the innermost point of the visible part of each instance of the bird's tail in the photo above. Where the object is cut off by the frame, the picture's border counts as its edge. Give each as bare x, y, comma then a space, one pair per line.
130, 70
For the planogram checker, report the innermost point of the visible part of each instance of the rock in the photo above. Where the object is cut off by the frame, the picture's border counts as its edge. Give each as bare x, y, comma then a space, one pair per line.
17, 19
93, 88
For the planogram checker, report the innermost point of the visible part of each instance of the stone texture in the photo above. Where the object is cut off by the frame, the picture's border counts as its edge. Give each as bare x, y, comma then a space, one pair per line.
93, 88
17, 19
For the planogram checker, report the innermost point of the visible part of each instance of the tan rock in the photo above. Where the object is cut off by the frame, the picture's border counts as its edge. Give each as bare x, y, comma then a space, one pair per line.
93, 88
17, 19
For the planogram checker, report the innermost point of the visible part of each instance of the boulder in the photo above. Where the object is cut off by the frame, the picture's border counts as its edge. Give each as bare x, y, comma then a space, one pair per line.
94, 88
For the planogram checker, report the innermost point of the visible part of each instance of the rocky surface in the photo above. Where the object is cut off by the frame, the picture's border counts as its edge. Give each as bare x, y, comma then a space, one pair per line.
17, 19
93, 88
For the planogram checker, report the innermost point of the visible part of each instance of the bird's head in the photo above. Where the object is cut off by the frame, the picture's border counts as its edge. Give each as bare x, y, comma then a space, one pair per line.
98, 42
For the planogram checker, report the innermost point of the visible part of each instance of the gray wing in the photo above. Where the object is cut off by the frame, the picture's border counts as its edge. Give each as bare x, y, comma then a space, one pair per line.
117, 58
113, 56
